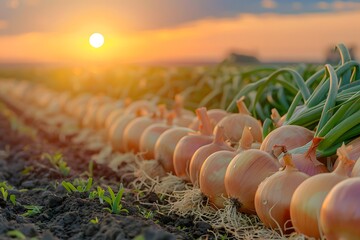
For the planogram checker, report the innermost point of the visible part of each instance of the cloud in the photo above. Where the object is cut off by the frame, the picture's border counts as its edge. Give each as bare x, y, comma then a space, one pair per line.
3, 24
296, 6
271, 4
13, 4
338, 5
271, 37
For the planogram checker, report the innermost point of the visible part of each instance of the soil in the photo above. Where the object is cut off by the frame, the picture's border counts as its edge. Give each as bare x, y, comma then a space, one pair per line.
34, 181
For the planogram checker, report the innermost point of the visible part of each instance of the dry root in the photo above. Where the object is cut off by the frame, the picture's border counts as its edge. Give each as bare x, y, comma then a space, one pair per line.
191, 202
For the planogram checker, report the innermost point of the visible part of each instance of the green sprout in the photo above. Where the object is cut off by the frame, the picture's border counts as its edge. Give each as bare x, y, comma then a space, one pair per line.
5, 196
115, 201
16, 234
148, 214
58, 163
32, 210
94, 221
79, 185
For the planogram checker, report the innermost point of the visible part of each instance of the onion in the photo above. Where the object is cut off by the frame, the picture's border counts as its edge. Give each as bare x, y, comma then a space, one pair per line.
356, 169
150, 136
276, 118
340, 212
112, 117
273, 196
307, 162
244, 174
183, 117
136, 127
291, 136
188, 145
138, 105
165, 146
104, 111
212, 172
308, 197
90, 118
116, 131
235, 123
215, 115
203, 152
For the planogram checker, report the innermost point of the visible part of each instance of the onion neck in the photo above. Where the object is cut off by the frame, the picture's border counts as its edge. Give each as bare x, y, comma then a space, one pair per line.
345, 164
178, 105
219, 135
242, 107
246, 139
170, 119
311, 153
205, 125
162, 111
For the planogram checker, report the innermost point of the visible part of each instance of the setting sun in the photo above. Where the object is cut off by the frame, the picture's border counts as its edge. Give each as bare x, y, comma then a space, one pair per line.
96, 40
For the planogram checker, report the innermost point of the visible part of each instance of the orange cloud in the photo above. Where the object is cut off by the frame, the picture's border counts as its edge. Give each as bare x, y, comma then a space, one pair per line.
275, 37
3, 24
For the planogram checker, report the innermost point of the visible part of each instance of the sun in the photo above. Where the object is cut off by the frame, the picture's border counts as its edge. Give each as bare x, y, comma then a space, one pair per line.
96, 40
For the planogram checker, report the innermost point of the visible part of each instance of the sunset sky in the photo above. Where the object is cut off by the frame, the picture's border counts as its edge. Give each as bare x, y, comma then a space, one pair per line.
140, 31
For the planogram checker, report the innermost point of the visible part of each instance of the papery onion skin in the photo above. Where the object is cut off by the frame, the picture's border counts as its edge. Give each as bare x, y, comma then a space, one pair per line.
244, 174
340, 212
307, 162
133, 131
166, 144
116, 131
151, 135
203, 152
309, 196
356, 169
273, 196
291, 136
188, 145
212, 176
234, 124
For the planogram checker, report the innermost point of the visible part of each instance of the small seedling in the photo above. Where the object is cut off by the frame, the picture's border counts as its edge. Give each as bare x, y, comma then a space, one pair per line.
101, 194
27, 170
6, 186
94, 221
115, 201
58, 163
79, 185
5, 195
148, 214
16, 234
32, 210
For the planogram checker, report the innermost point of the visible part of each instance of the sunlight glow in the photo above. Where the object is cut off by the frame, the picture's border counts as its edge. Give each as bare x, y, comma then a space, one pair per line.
96, 40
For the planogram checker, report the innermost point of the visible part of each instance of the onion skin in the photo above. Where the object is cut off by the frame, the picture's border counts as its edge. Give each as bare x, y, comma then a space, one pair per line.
309, 196
291, 136
234, 124
166, 144
203, 152
133, 132
188, 145
212, 175
307, 162
340, 212
273, 196
112, 117
151, 135
356, 169
116, 132
244, 174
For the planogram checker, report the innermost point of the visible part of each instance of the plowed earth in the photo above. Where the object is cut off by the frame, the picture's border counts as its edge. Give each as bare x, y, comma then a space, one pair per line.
34, 181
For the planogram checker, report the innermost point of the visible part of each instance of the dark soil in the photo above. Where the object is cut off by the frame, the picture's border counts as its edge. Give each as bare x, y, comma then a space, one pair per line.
34, 181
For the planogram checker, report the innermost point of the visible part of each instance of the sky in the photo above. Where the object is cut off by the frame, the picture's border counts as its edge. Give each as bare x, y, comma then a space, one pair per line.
140, 31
